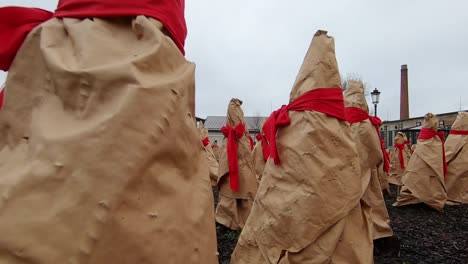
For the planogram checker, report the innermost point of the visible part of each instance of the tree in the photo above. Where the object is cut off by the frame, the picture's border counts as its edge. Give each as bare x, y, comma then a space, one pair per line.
257, 122
353, 76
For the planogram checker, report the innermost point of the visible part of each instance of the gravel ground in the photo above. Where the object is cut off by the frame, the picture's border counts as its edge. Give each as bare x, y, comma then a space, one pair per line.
422, 236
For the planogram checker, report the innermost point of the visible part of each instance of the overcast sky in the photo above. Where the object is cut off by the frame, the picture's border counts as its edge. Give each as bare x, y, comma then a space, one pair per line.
252, 50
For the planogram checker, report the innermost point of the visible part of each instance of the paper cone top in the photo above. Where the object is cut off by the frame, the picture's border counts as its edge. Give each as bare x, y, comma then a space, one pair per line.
461, 123
400, 137
203, 132
430, 121
354, 95
235, 115
319, 69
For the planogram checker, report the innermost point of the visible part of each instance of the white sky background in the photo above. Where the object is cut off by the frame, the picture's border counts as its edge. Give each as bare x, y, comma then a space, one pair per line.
253, 50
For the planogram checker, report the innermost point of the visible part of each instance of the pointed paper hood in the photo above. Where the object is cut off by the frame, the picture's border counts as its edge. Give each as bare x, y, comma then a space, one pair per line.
354, 96
203, 132
461, 123
400, 137
430, 121
235, 115
319, 69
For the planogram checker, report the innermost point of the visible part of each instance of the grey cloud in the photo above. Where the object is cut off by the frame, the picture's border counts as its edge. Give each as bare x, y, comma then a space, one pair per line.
253, 49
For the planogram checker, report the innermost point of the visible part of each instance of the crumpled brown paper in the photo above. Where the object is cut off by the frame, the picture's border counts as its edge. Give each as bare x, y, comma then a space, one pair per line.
456, 149
234, 207
258, 158
105, 162
307, 209
371, 158
396, 172
423, 179
210, 156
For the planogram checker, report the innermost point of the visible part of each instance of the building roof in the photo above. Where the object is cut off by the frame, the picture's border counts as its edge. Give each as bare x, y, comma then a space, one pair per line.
216, 122
418, 128
422, 117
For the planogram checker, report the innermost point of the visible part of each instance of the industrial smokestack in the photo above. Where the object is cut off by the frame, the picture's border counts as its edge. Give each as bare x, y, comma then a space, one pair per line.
404, 101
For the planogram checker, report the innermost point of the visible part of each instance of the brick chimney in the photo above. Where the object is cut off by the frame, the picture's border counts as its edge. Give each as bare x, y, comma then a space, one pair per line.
404, 101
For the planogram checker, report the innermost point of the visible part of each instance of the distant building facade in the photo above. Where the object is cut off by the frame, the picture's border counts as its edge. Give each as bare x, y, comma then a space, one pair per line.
215, 123
412, 126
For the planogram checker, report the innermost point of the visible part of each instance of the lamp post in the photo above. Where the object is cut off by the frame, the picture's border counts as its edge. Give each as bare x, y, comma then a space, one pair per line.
375, 100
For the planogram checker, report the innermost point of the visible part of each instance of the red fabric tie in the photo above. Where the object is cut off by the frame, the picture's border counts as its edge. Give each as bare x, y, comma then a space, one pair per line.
233, 135
400, 148
356, 115
459, 132
409, 147
2, 96
427, 133
324, 100
251, 143
206, 141
15, 25
17, 22
264, 142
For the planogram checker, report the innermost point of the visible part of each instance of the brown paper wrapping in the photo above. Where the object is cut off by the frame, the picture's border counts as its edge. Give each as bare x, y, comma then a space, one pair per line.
371, 158
307, 209
234, 207
424, 176
456, 149
383, 179
99, 178
258, 159
210, 156
216, 149
395, 173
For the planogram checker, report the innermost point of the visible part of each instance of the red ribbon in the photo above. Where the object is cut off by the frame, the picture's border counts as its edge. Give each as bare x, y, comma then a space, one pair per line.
2, 96
264, 142
17, 22
356, 115
233, 135
427, 133
206, 141
251, 143
400, 148
459, 132
324, 100
15, 25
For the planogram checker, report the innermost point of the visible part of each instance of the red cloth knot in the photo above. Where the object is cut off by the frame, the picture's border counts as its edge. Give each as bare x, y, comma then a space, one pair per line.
324, 100
265, 149
356, 115
251, 141
206, 141
401, 147
427, 133
233, 135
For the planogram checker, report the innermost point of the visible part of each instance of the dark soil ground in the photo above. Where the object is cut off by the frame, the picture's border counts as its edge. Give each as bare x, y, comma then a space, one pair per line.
422, 236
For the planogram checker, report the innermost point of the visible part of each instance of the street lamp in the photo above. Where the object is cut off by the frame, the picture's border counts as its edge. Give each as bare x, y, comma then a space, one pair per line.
375, 99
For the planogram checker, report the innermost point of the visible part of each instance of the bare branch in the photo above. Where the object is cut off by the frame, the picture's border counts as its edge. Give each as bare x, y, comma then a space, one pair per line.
353, 76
